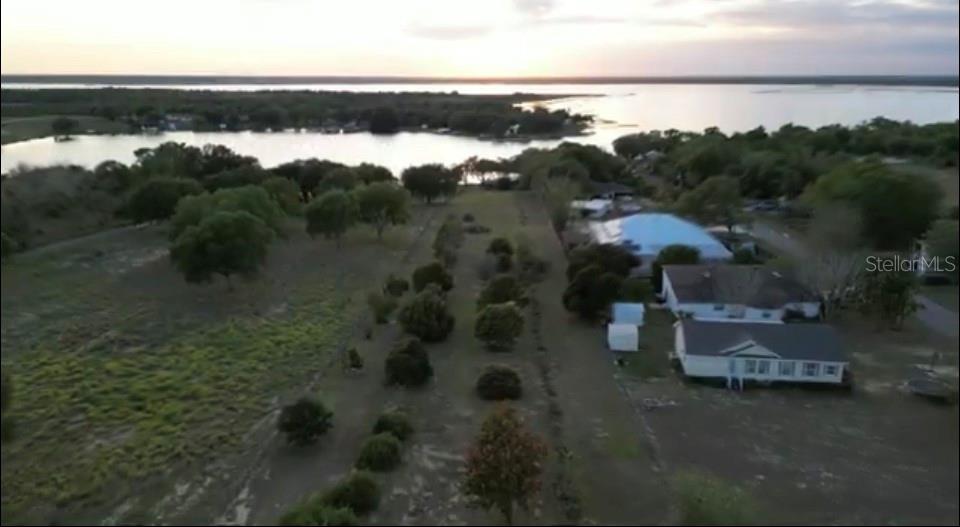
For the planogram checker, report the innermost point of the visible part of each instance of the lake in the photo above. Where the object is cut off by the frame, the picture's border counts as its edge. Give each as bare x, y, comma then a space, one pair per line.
620, 109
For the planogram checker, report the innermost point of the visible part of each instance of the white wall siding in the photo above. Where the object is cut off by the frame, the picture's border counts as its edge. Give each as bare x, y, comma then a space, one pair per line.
753, 369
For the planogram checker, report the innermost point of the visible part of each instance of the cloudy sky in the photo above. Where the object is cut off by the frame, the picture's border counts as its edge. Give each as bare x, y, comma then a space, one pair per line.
473, 38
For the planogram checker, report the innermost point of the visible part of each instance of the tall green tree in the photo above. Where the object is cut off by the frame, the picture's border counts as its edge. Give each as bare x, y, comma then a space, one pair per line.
225, 244
715, 201
675, 254
191, 210
381, 205
64, 126
430, 182
505, 465
157, 199
331, 215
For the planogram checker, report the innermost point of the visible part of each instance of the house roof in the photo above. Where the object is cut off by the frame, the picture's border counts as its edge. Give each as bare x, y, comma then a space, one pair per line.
751, 285
649, 233
803, 342
628, 313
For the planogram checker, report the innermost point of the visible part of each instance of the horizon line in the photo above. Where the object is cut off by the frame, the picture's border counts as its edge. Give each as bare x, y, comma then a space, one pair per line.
942, 80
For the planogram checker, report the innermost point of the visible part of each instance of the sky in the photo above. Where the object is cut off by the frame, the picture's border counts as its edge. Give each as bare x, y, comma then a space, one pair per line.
480, 38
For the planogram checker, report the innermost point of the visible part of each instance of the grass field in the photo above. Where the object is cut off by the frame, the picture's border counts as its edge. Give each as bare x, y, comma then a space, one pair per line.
25, 128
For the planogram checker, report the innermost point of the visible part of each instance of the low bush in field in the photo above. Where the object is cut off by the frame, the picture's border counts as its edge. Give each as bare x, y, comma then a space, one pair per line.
358, 493
394, 423
499, 325
380, 453
500, 246
396, 286
305, 421
314, 512
427, 317
434, 273
500, 290
382, 306
498, 383
408, 364
706, 500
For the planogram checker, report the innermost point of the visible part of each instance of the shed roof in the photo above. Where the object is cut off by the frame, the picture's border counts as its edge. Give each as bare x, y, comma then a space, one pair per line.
804, 342
628, 313
751, 285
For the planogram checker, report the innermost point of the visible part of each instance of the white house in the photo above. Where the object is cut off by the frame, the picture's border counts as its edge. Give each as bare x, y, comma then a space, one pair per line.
649, 233
745, 351
723, 292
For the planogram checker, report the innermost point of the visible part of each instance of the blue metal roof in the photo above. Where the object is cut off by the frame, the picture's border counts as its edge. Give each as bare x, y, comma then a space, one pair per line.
649, 233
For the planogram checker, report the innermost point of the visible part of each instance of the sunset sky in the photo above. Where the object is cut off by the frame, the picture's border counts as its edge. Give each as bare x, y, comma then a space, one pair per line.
505, 38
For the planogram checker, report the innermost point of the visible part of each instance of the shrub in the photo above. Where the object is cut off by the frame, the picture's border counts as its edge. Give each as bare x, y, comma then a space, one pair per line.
500, 246
430, 182
408, 364
314, 512
434, 273
192, 210
499, 383
225, 244
705, 500
609, 258
499, 325
476, 229
502, 289
382, 307
285, 193
354, 359
8, 246
394, 423
426, 316
504, 263
396, 286
358, 493
382, 204
157, 199
591, 292
331, 215
380, 453
469, 218
305, 421
636, 290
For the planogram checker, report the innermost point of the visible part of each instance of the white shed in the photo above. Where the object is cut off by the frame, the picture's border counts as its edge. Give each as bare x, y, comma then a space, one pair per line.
623, 337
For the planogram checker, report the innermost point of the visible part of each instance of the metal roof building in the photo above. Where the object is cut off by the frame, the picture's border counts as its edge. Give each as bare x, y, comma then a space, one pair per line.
647, 234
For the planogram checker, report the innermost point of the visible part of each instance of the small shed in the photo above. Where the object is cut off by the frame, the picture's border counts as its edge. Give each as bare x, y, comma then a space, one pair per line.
628, 313
623, 337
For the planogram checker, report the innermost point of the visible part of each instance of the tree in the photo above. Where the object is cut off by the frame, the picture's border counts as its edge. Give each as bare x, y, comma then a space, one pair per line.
396, 286
64, 126
591, 292
243, 176
832, 266
369, 174
380, 453
715, 201
384, 120
304, 421
636, 290
358, 493
500, 246
191, 210
499, 325
381, 205
434, 273
395, 423
157, 199
943, 243
429, 182
896, 208
8, 246
331, 215
505, 465
338, 178
609, 258
500, 290
314, 513
672, 255
499, 383
285, 193
426, 316
890, 296
408, 364
706, 500
114, 177
224, 243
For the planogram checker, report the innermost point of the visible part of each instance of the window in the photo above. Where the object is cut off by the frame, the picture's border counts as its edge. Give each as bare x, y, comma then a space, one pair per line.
811, 369
763, 368
751, 366
719, 307
766, 314
787, 369
830, 370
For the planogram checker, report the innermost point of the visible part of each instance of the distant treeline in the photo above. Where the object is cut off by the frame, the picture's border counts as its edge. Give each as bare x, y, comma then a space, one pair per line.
132, 80
480, 115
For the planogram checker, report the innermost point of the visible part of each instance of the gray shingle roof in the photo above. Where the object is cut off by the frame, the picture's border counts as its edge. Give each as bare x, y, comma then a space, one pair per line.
756, 286
811, 342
